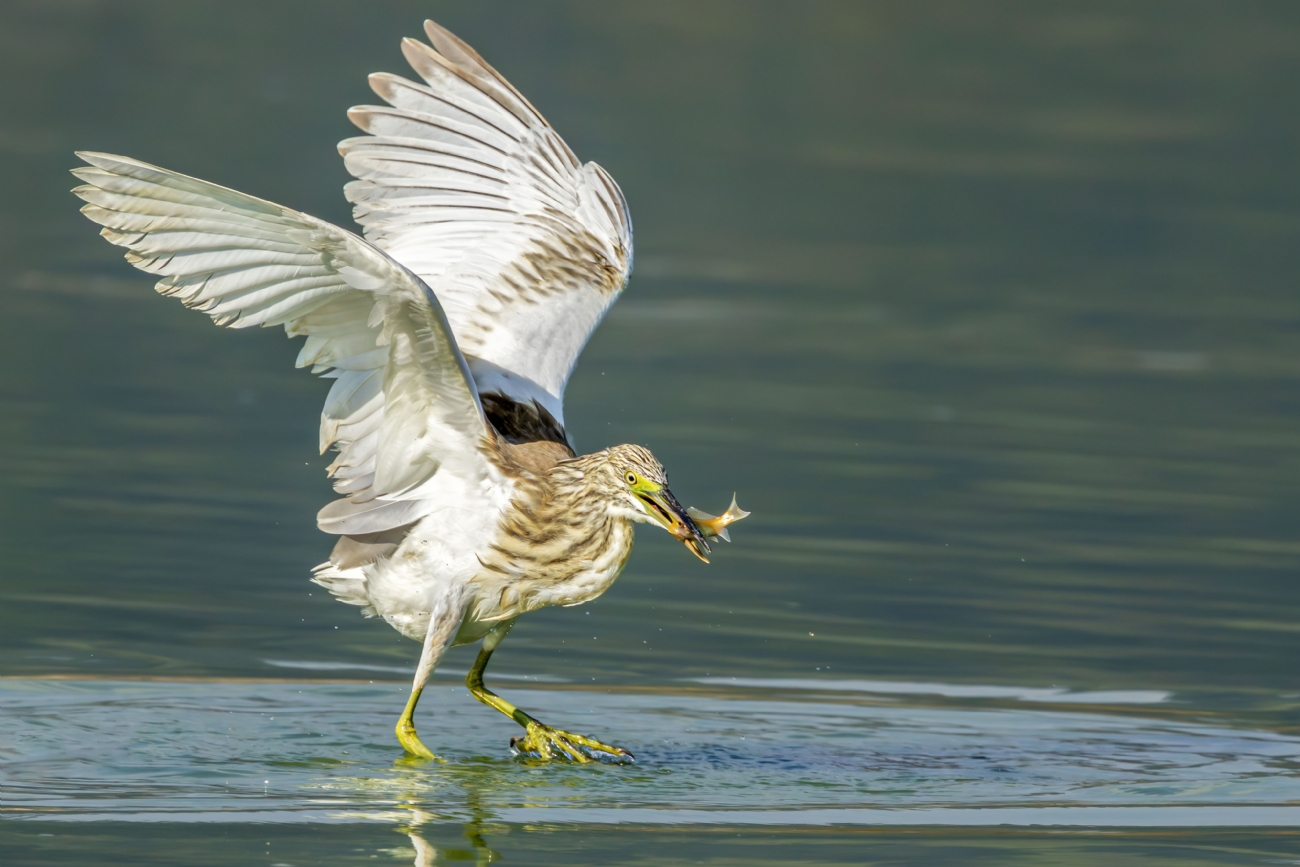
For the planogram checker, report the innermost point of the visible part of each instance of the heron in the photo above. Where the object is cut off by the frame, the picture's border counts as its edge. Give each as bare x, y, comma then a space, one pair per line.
489, 254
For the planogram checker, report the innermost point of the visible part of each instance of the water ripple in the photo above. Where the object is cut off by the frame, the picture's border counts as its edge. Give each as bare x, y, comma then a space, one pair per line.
323, 752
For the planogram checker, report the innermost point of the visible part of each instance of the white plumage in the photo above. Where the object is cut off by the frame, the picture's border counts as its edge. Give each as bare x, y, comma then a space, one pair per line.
462, 181
450, 330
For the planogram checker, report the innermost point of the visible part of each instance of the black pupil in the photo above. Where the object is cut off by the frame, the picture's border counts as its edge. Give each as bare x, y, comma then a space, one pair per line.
631, 478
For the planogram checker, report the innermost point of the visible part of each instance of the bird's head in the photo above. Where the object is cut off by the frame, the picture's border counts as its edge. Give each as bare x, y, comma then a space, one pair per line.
639, 488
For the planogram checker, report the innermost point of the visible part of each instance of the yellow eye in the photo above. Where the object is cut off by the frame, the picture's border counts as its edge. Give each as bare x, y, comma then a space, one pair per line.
631, 478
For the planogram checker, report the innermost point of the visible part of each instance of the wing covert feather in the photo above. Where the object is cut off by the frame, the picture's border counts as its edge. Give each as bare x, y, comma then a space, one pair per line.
462, 181
403, 407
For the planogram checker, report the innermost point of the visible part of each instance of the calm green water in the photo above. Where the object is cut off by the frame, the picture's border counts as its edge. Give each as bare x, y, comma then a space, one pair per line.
989, 312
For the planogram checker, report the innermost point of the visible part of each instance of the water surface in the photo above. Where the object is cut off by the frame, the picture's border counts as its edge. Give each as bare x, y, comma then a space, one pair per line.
988, 312
836, 756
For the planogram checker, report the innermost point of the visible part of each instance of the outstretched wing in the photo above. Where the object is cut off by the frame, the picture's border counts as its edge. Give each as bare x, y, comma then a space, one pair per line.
462, 181
403, 410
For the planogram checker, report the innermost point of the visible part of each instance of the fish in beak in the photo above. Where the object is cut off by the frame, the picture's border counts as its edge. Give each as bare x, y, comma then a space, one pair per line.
664, 508
715, 526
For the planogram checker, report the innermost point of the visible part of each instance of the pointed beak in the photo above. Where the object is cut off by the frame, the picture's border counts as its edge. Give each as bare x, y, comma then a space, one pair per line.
665, 509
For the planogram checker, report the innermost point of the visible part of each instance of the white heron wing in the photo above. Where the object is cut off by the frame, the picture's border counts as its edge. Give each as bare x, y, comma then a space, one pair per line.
461, 180
403, 409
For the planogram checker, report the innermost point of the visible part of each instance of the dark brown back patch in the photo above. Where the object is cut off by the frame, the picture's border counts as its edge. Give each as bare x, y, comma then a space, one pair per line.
519, 423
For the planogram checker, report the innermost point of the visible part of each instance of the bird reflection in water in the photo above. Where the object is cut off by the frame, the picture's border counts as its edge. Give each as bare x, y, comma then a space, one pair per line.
426, 853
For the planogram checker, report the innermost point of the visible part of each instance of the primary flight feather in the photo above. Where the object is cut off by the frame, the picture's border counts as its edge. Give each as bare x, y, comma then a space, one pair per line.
450, 330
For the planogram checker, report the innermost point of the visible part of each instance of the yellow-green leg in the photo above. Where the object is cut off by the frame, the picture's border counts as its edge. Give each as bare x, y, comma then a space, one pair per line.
444, 619
406, 729
540, 740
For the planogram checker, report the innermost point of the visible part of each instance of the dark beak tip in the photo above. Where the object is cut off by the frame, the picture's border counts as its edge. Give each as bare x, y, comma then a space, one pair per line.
699, 547
681, 525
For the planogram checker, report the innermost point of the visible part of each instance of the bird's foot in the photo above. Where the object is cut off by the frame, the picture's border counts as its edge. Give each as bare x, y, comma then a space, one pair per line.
411, 741
544, 742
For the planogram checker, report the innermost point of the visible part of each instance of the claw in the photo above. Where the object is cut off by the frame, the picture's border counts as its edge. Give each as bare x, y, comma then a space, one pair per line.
544, 742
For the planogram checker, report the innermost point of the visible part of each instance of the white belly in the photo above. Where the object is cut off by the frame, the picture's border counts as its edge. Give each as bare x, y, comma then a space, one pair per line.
438, 559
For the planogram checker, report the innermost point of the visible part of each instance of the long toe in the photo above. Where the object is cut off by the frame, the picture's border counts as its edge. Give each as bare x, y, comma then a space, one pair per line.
600, 751
544, 742
533, 748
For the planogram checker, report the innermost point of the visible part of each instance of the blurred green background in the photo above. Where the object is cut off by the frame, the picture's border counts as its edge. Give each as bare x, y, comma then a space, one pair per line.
987, 311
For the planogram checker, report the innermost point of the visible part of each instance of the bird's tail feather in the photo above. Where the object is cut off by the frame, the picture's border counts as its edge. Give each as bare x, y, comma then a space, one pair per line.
347, 585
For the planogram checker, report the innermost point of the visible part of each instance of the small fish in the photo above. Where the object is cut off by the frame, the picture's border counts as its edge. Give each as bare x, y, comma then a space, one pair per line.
716, 527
